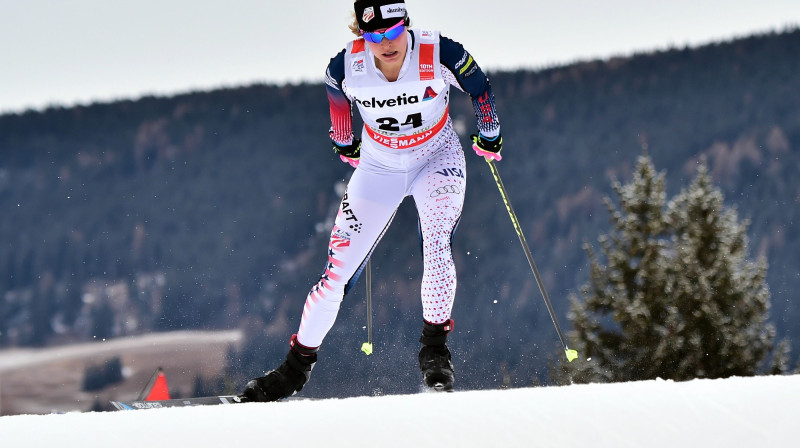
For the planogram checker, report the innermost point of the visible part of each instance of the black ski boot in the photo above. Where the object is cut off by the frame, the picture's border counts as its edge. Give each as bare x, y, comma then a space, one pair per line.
286, 380
434, 357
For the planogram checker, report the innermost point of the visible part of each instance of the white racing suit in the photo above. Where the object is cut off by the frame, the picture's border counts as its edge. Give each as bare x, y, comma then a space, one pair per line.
409, 148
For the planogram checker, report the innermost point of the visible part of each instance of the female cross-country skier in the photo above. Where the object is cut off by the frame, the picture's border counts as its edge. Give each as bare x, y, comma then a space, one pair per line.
399, 78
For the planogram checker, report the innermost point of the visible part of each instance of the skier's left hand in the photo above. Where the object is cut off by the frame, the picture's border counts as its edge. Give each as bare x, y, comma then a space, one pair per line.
486, 147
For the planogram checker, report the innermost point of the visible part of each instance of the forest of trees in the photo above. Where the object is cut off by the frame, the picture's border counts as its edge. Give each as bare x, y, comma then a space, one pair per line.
212, 210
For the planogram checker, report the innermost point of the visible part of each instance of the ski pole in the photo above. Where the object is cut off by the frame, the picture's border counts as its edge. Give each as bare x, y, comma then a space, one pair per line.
571, 354
367, 346
149, 385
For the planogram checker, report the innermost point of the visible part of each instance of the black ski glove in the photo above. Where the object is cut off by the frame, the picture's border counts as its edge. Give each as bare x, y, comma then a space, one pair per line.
485, 147
350, 153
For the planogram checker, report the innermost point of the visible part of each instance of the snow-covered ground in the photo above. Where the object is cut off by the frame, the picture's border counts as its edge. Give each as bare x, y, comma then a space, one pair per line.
735, 412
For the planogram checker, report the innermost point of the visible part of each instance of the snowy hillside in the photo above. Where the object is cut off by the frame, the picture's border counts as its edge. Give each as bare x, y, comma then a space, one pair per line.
735, 412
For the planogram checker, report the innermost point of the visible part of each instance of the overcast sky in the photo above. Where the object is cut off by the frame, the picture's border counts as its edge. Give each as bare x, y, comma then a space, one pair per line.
67, 52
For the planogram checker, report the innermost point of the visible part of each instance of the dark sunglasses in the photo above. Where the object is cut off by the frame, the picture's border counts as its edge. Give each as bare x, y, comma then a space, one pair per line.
390, 33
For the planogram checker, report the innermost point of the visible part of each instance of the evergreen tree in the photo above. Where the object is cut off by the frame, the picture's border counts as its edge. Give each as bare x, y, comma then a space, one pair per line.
677, 297
97, 377
720, 298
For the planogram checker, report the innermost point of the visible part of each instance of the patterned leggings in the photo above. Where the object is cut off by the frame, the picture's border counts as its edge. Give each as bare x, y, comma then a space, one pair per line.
435, 176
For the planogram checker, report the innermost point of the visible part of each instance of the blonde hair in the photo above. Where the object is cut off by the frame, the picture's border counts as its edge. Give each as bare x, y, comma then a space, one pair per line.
354, 25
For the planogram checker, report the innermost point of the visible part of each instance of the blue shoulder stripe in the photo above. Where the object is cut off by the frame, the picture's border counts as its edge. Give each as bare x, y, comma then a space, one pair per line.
334, 75
469, 75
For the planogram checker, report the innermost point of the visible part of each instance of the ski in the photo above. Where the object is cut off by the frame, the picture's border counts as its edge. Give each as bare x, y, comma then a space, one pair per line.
177, 402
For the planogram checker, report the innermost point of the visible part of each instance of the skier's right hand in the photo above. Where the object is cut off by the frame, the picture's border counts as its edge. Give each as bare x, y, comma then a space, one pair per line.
349, 153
